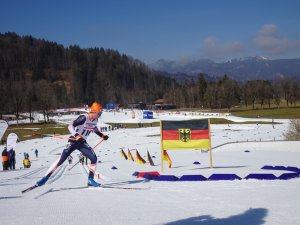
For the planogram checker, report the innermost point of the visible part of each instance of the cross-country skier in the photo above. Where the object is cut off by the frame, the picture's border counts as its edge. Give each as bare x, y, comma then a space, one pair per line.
80, 130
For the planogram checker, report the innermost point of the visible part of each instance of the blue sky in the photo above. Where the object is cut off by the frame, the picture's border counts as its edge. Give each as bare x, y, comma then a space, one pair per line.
150, 30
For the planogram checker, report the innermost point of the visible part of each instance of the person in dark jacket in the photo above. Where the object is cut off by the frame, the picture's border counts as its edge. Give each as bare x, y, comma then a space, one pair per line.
36, 153
12, 159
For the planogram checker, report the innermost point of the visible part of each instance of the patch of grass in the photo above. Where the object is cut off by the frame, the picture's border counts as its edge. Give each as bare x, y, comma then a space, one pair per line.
36, 130
136, 125
281, 113
220, 121
225, 121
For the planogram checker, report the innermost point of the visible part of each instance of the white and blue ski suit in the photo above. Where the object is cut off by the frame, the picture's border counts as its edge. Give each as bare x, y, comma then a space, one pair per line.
81, 127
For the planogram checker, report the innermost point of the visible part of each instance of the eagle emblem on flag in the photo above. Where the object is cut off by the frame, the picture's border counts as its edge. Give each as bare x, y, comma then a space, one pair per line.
184, 134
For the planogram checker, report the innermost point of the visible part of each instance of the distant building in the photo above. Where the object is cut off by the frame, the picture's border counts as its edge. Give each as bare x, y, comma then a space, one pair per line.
136, 105
162, 104
8, 117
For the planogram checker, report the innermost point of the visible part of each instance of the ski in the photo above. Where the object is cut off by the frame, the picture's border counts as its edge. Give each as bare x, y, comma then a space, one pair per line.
30, 188
90, 187
125, 188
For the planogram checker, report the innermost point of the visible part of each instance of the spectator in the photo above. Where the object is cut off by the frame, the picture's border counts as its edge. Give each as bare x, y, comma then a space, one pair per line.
36, 153
26, 161
5, 159
12, 159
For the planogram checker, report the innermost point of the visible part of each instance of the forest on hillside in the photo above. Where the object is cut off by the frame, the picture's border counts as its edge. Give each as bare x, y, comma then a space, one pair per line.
39, 75
36, 74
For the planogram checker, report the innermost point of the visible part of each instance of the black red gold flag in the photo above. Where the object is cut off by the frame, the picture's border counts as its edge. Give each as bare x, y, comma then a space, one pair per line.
186, 134
166, 157
123, 154
150, 159
139, 158
130, 156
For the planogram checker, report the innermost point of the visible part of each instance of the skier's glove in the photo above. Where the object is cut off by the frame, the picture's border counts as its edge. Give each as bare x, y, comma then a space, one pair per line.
79, 139
105, 137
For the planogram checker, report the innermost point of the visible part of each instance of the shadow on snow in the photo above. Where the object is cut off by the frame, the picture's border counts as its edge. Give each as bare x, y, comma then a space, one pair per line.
249, 217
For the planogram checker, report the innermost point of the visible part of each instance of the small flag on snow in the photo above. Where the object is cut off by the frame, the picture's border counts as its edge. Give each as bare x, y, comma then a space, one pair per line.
139, 158
130, 156
150, 159
123, 154
167, 158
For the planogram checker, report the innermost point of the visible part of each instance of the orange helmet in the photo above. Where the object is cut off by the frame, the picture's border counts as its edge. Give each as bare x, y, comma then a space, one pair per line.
96, 107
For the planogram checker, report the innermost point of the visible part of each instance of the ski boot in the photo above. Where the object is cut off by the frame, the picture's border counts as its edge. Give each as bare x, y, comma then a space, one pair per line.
42, 181
93, 183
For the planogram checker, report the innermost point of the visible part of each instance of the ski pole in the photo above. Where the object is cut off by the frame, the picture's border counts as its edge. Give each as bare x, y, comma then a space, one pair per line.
97, 174
74, 164
98, 143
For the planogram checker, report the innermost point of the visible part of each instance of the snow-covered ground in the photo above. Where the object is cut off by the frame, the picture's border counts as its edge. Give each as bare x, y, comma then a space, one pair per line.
66, 200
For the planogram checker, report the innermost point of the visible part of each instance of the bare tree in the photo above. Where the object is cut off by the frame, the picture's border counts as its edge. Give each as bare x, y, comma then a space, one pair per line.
277, 93
202, 86
250, 92
286, 86
46, 97
17, 97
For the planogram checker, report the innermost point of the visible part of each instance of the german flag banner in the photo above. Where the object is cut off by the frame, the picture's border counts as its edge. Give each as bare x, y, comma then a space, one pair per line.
185, 134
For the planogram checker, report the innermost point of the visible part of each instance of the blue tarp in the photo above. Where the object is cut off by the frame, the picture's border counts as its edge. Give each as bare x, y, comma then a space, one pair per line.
293, 169
150, 176
257, 176
192, 178
279, 168
261, 176
287, 176
166, 178
224, 177
288, 168
268, 168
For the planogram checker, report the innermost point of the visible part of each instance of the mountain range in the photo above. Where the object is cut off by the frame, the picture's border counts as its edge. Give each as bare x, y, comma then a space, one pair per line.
249, 68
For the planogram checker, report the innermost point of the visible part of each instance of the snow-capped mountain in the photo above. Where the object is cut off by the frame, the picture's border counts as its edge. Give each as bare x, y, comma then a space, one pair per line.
248, 68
